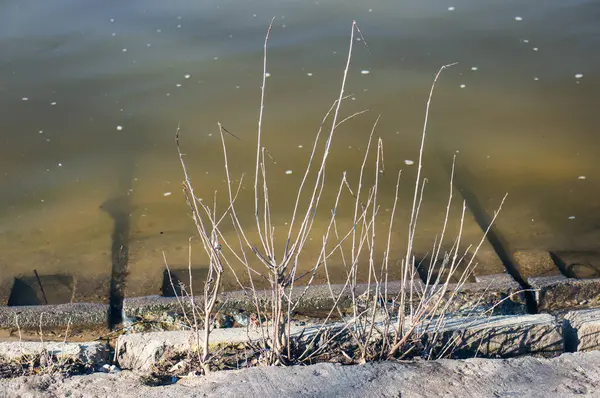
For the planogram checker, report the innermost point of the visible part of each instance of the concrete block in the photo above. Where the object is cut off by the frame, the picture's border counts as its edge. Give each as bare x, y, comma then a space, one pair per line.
499, 336
93, 353
531, 263
582, 330
558, 293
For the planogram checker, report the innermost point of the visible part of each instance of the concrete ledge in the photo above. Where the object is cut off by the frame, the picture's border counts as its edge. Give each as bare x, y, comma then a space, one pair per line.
553, 294
53, 316
92, 353
559, 293
582, 330
501, 336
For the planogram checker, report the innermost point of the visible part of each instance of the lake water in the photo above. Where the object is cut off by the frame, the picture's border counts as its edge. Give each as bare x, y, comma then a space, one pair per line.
91, 93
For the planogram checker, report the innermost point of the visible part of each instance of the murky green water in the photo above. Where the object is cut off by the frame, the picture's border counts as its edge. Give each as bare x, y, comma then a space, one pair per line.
91, 93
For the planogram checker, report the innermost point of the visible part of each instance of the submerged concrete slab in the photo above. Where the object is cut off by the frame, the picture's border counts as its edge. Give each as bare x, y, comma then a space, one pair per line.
499, 336
582, 330
535, 263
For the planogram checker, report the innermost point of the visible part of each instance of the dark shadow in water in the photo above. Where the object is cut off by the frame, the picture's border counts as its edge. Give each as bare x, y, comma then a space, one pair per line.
119, 210
41, 289
23, 294
494, 237
180, 278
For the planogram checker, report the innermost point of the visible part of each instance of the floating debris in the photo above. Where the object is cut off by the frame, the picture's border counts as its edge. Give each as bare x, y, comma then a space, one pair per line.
119, 128
518, 18
25, 99
474, 68
535, 48
288, 172
409, 162
578, 75
463, 85
365, 72
581, 177
571, 217
187, 76
53, 103
267, 74
167, 194
451, 8
309, 74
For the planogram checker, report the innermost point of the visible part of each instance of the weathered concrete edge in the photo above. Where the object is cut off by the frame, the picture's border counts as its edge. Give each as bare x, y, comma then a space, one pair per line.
552, 293
474, 336
94, 354
139, 351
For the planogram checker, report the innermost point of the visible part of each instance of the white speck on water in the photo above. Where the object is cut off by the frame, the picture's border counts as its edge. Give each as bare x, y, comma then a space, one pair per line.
112, 20
178, 26
409, 162
253, 15
25, 99
536, 78
53, 103
60, 165
124, 50
267, 74
571, 217
187, 76
451, 8
370, 10
474, 68
518, 18
309, 74
581, 177
158, 31
179, 17
365, 72
578, 75
463, 85
300, 146
237, 86
457, 151
167, 194
119, 128
42, 200
178, 85
148, 45
525, 40
41, 132
114, 34
210, 134
535, 48
168, 94
284, 26
288, 172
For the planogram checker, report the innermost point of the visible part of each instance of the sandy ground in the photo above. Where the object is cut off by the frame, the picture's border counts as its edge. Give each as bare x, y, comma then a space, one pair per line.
568, 375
